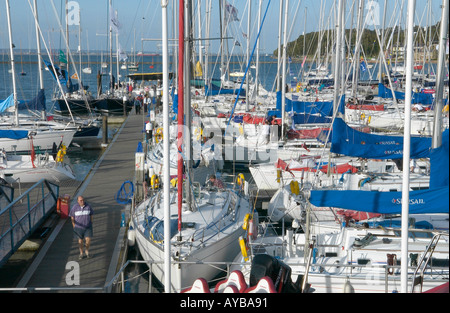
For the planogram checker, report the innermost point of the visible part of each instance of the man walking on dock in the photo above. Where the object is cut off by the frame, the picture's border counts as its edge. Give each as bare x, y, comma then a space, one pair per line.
81, 215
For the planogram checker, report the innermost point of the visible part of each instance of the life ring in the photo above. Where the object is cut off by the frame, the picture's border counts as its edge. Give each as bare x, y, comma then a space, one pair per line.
154, 182
174, 182
159, 135
363, 116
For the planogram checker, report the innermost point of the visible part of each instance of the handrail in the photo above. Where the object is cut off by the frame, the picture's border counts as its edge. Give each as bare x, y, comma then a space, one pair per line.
423, 263
118, 278
24, 214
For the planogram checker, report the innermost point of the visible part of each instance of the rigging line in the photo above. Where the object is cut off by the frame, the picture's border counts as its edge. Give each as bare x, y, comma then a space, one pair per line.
246, 70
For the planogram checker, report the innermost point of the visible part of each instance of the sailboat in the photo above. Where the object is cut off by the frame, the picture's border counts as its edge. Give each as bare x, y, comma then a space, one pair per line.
15, 137
34, 167
115, 101
348, 253
184, 238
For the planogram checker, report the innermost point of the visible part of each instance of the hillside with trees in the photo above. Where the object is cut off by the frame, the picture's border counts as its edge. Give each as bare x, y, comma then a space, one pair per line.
369, 41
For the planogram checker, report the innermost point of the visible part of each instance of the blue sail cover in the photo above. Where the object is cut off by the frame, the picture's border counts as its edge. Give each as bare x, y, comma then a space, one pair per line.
175, 104
422, 98
324, 108
38, 103
215, 90
61, 74
5, 104
350, 142
13, 134
299, 118
420, 201
439, 160
433, 200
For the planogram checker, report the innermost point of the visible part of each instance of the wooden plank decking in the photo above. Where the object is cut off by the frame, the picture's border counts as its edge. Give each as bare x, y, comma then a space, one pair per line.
56, 263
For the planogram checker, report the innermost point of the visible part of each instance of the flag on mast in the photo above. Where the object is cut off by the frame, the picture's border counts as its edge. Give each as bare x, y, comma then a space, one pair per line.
114, 19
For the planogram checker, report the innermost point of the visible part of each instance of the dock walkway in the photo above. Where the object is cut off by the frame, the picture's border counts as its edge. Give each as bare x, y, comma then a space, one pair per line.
55, 266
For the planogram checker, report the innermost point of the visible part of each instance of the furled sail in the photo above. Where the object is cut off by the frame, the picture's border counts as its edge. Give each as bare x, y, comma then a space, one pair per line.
433, 200
351, 142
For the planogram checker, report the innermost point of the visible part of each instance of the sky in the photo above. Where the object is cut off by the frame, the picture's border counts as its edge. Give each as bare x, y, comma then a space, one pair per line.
142, 19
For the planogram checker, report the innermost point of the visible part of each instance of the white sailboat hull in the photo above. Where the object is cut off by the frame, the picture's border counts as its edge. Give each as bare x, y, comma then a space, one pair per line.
210, 234
42, 139
184, 274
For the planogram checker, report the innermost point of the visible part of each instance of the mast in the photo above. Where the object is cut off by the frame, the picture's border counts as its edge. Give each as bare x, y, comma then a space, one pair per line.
180, 107
110, 50
437, 136
208, 27
283, 89
187, 96
337, 65
407, 146
257, 51
13, 68
247, 100
280, 30
67, 38
166, 147
359, 30
38, 44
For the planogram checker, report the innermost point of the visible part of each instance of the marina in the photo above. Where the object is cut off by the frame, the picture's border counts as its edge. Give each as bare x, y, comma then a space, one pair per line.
303, 171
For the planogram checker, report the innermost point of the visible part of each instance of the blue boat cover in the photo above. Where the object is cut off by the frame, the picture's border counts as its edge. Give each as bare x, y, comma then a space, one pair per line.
175, 104
420, 201
350, 142
61, 74
214, 90
324, 108
299, 118
13, 134
422, 98
439, 160
38, 103
5, 104
433, 200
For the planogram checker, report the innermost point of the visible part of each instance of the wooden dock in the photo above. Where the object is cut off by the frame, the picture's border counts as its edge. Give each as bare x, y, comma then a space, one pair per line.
56, 266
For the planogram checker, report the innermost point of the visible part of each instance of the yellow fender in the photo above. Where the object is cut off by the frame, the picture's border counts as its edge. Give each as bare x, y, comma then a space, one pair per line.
241, 129
369, 119
159, 134
240, 179
61, 153
244, 249
278, 175
154, 182
246, 221
295, 189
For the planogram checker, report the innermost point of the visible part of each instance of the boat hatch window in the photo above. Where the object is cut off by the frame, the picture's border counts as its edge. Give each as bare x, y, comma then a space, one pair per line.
439, 262
188, 225
330, 254
363, 261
